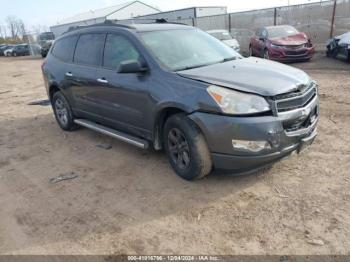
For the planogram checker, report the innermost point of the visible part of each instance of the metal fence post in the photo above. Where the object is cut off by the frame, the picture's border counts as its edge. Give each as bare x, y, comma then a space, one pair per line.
275, 17
229, 23
333, 18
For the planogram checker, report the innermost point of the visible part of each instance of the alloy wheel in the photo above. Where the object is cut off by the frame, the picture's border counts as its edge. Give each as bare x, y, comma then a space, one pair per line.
179, 149
266, 54
250, 51
61, 112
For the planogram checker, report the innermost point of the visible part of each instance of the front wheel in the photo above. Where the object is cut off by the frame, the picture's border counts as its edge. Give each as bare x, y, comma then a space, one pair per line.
266, 54
251, 53
14, 54
186, 148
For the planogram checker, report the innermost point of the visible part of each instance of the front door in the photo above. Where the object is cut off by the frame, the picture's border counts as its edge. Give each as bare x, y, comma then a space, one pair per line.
123, 98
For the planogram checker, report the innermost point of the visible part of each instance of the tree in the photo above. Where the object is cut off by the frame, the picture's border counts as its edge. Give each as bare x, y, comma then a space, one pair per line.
38, 29
16, 27
3, 32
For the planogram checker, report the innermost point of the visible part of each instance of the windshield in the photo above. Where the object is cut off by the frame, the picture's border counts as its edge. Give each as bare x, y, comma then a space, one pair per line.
281, 31
187, 48
221, 35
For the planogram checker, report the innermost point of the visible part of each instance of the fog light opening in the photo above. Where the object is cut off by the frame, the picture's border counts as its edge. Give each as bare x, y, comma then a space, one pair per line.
251, 146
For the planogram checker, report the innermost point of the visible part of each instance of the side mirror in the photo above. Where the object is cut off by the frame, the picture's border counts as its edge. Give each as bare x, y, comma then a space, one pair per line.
131, 66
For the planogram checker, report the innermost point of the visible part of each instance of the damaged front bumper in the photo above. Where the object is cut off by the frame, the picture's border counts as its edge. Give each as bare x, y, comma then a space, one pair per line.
221, 132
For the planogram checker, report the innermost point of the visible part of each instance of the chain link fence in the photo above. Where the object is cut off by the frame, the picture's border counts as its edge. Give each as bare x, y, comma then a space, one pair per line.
315, 19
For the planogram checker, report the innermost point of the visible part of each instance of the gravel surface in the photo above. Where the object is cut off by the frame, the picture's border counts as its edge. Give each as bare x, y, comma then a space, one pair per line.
127, 201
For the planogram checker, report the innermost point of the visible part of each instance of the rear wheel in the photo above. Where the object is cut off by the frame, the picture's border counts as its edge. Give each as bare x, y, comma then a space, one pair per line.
186, 148
63, 112
14, 54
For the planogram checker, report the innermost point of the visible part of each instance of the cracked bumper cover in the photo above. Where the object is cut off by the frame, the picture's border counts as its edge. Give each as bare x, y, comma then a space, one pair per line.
220, 130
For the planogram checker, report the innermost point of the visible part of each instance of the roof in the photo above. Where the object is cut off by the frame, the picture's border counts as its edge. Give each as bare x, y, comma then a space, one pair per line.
158, 26
98, 13
137, 27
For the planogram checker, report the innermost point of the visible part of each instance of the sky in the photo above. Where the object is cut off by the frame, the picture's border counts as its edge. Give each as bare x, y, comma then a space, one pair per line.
49, 12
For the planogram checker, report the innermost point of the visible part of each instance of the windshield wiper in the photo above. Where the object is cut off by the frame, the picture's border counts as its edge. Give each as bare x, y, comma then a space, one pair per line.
228, 59
191, 67
208, 64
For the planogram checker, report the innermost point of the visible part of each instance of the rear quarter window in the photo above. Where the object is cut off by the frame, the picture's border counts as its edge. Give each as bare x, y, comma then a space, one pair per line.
64, 48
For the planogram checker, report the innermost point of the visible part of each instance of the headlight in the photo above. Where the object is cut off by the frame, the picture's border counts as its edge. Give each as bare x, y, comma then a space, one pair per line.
238, 103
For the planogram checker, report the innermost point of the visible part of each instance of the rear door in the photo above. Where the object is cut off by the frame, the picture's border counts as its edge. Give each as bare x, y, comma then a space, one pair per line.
87, 58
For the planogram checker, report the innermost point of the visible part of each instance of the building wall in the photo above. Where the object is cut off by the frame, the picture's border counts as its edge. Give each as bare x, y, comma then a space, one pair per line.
135, 9
183, 14
60, 29
171, 15
208, 11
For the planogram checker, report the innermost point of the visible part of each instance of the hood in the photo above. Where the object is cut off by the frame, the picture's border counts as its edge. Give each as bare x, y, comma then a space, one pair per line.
298, 39
252, 75
344, 39
231, 43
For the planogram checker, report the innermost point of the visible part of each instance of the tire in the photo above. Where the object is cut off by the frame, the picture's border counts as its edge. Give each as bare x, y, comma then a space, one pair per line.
63, 112
251, 53
14, 54
186, 148
266, 54
348, 56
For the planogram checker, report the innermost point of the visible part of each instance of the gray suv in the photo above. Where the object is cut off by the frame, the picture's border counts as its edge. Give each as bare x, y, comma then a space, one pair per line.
175, 87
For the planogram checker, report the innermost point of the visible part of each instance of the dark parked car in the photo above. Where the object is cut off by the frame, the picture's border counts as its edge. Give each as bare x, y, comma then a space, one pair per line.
281, 43
19, 50
45, 37
175, 87
339, 46
45, 48
3, 48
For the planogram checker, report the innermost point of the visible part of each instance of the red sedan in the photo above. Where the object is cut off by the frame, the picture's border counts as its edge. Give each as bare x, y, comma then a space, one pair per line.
281, 43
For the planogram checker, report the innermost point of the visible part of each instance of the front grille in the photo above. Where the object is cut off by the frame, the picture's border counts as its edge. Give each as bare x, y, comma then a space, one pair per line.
295, 52
295, 47
296, 99
302, 123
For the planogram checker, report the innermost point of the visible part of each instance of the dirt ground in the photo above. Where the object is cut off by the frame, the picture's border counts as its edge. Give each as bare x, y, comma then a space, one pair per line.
129, 201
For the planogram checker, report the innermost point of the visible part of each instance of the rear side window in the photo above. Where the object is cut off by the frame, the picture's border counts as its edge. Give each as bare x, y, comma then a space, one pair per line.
89, 49
64, 48
118, 49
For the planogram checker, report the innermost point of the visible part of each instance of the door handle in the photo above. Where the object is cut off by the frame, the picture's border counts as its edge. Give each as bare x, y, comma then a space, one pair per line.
69, 74
102, 80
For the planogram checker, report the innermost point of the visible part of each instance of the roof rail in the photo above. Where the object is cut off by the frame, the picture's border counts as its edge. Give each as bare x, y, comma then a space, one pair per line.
154, 21
106, 22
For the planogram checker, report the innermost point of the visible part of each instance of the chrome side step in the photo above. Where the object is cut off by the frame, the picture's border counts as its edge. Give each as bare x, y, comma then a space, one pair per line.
113, 133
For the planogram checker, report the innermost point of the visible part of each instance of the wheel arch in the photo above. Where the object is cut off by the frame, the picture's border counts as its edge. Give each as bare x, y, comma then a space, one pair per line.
52, 90
163, 113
